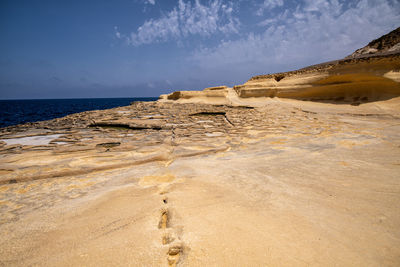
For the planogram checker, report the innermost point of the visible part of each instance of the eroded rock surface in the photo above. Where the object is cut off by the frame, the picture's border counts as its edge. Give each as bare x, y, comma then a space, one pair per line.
243, 176
353, 81
285, 183
386, 44
369, 74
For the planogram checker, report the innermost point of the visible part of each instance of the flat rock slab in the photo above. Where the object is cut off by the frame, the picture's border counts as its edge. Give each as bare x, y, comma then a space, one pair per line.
286, 183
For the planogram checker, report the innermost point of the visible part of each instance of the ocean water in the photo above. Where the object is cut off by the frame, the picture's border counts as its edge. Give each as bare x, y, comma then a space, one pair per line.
13, 112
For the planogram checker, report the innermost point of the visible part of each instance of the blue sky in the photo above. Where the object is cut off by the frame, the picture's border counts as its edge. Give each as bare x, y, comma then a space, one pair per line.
133, 48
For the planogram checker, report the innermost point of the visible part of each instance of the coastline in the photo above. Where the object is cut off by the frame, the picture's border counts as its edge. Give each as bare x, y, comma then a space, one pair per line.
17, 111
289, 183
289, 169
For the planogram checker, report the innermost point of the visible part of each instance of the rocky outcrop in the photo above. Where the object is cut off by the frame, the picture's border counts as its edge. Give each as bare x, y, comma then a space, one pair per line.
369, 74
213, 95
386, 44
278, 85
353, 81
170, 184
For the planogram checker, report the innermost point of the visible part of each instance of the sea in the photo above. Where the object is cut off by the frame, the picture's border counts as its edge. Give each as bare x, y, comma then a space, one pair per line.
13, 112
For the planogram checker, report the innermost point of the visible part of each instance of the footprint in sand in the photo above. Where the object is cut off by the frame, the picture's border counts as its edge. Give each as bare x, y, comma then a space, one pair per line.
174, 253
164, 219
167, 238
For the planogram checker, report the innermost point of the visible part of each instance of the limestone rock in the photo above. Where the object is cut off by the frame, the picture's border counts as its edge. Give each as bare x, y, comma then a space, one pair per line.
386, 44
247, 180
369, 74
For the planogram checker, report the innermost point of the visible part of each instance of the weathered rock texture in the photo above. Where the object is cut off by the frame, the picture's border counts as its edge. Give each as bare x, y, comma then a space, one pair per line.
354, 81
369, 74
289, 183
248, 180
386, 44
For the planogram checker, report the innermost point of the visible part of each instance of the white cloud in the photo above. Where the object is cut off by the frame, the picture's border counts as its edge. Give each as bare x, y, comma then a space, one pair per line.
187, 19
266, 22
152, 2
268, 5
156, 30
314, 31
318, 5
117, 33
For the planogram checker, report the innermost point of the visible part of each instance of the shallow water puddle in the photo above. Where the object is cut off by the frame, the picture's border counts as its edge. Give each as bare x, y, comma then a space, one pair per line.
37, 140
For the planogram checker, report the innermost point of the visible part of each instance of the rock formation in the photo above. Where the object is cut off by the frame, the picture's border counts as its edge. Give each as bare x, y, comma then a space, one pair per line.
386, 44
369, 74
248, 180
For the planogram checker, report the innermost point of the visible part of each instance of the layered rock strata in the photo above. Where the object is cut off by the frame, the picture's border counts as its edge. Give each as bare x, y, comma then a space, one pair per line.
165, 184
371, 73
243, 176
354, 81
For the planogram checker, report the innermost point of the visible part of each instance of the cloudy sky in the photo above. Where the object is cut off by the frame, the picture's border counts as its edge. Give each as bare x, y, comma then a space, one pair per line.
133, 48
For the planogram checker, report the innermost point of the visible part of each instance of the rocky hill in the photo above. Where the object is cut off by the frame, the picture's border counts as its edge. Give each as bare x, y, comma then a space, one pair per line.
386, 44
371, 73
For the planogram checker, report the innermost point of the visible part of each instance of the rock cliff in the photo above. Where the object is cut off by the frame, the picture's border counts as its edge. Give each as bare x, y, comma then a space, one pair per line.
386, 44
371, 73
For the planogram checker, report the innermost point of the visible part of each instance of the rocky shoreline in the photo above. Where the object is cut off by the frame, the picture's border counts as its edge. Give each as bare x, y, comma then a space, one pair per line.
222, 177
199, 162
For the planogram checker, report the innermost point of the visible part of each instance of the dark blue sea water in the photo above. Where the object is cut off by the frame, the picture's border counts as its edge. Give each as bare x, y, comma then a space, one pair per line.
14, 112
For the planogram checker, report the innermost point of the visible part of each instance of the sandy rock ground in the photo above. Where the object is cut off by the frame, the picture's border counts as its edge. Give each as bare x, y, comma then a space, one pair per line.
285, 183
